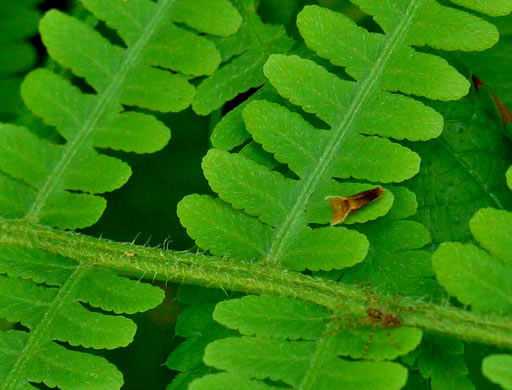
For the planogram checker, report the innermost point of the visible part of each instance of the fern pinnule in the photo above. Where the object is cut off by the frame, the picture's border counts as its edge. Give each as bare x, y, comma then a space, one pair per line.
244, 53
46, 293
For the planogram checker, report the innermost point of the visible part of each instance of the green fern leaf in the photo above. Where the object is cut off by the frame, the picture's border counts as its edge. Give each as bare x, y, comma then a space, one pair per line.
489, 7
269, 316
18, 23
248, 50
55, 366
396, 262
498, 368
47, 172
441, 360
473, 275
288, 361
289, 342
462, 170
230, 381
198, 15
46, 293
170, 47
198, 327
351, 109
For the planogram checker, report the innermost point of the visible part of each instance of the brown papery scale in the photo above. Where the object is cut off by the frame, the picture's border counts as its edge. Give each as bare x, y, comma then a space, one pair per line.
342, 207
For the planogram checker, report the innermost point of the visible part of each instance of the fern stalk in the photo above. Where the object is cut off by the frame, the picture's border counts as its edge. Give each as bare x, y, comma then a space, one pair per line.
254, 278
362, 94
104, 102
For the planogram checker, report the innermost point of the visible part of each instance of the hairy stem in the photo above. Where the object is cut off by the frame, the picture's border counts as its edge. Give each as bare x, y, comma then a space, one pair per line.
254, 278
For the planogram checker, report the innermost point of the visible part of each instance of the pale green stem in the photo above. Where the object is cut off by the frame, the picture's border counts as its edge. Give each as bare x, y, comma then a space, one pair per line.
254, 278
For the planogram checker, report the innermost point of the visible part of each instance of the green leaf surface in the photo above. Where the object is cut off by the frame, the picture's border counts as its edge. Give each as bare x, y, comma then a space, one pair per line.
56, 313
409, 72
434, 24
474, 277
217, 17
250, 48
55, 366
397, 262
498, 243
170, 47
498, 369
441, 360
384, 64
287, 361
229, 381
376, 344
270, 316
222, 230
462, 170
239, 181
325, 249
490, 7
492, 66
318, 91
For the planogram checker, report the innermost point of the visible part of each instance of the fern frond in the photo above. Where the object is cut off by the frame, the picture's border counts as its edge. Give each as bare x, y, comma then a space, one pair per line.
246, 51
199, 329
46, 293
295, 342
481, 277
360, 114
441, 361
477, 277
18, 22
462, 170
44, 173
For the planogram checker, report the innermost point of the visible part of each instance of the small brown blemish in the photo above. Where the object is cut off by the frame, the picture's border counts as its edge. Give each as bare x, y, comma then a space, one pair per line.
342, 207
129, 254
376, 316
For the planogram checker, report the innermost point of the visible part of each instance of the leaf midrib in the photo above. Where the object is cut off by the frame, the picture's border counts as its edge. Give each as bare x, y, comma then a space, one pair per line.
104, 100
363, 90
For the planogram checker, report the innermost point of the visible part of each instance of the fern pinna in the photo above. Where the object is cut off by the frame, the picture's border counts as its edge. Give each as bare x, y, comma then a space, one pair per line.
128, 76
271, 217
56, 183
480, 277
